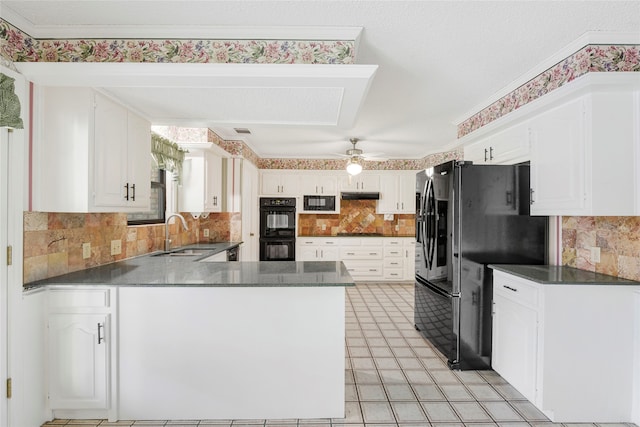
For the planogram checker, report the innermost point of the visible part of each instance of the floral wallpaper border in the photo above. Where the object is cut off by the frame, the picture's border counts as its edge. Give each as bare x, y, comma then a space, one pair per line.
591, 58
241, 149
18, 46
338, 164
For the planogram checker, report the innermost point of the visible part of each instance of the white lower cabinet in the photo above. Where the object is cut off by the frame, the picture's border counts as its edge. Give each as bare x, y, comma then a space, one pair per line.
317, 249
568, 348
394, 260
80, 350
363, 257
367, 258
409, 246
515, 329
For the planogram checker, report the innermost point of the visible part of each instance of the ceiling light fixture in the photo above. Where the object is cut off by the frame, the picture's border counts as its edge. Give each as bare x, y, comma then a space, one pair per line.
354, 165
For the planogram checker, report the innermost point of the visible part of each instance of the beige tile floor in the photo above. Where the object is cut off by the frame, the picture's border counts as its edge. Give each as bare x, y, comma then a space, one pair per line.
394, 377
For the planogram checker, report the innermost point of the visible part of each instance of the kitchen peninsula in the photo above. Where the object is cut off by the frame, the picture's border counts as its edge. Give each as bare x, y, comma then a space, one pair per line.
205, 340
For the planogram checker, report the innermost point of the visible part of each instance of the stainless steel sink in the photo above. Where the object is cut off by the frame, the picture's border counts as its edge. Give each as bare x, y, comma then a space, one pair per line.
185, 252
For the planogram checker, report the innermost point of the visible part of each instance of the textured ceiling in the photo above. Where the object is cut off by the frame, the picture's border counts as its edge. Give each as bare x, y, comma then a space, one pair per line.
439, 61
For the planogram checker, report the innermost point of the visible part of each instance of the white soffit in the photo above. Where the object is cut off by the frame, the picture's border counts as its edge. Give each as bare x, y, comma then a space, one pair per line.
217, 94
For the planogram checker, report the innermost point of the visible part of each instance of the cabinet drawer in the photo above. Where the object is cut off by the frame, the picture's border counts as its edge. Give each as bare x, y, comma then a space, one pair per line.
96, 298
393, 273
393, 263
392, 242
362, 270
393, 251
516, 290
317, 241
360, 253
307, 241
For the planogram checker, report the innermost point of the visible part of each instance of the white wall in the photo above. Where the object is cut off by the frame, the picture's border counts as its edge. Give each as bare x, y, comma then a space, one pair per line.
23, 339
635, 410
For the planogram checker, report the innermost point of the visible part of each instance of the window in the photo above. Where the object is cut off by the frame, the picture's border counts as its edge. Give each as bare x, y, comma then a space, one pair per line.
158, 200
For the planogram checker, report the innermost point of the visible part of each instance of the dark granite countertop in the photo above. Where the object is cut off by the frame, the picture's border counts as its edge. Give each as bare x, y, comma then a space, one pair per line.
560, 275
154, 270
356, 235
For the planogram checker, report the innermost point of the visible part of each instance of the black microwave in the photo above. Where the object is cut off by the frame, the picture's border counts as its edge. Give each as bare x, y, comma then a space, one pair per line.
319, 203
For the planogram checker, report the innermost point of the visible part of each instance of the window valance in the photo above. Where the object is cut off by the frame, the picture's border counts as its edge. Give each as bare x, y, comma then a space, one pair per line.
9, 104
167, 154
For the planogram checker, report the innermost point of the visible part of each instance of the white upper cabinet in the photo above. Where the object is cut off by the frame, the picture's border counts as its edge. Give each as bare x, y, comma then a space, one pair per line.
279, 183
202, 180
364, 182
585, 156
397, 192
582, 141
509, 146
90, 154
324, 184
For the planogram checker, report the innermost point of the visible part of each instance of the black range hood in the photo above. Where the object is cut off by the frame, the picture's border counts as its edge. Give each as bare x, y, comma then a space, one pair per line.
357, 195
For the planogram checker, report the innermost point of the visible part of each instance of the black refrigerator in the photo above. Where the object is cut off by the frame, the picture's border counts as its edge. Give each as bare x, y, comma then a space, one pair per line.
469, 216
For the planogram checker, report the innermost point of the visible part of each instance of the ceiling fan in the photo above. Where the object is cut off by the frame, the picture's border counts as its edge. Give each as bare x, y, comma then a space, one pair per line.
357, 157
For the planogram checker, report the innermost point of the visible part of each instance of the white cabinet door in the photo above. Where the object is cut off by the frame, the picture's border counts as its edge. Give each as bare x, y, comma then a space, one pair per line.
388, 194
409, 248
201, 188
397, 193
78, 356
213, 183
110, 151
505, 147
584, 156
558, 175
514, 352
139, 161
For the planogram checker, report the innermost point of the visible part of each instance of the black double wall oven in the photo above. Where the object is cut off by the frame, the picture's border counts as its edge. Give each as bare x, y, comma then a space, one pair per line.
277, 229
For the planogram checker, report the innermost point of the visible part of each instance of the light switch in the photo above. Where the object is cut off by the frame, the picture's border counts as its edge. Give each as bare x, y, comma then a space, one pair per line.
86, 250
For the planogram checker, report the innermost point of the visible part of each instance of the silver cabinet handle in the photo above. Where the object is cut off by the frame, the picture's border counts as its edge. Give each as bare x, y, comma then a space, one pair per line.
531, 196
100, 337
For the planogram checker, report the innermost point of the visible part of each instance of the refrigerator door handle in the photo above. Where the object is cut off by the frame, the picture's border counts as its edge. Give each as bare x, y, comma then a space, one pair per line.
433, 289
430, 220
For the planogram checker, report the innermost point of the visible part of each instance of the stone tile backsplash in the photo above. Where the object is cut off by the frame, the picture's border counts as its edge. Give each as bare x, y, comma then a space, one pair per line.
617, 237
53, 241
356, 216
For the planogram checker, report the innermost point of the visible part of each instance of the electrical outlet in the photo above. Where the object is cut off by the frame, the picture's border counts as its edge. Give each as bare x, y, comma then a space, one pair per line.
86, 250
116, 247
205, 232
324, 227
595, 254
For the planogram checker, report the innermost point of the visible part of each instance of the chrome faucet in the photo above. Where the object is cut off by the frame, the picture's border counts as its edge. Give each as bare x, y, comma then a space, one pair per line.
167, 241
